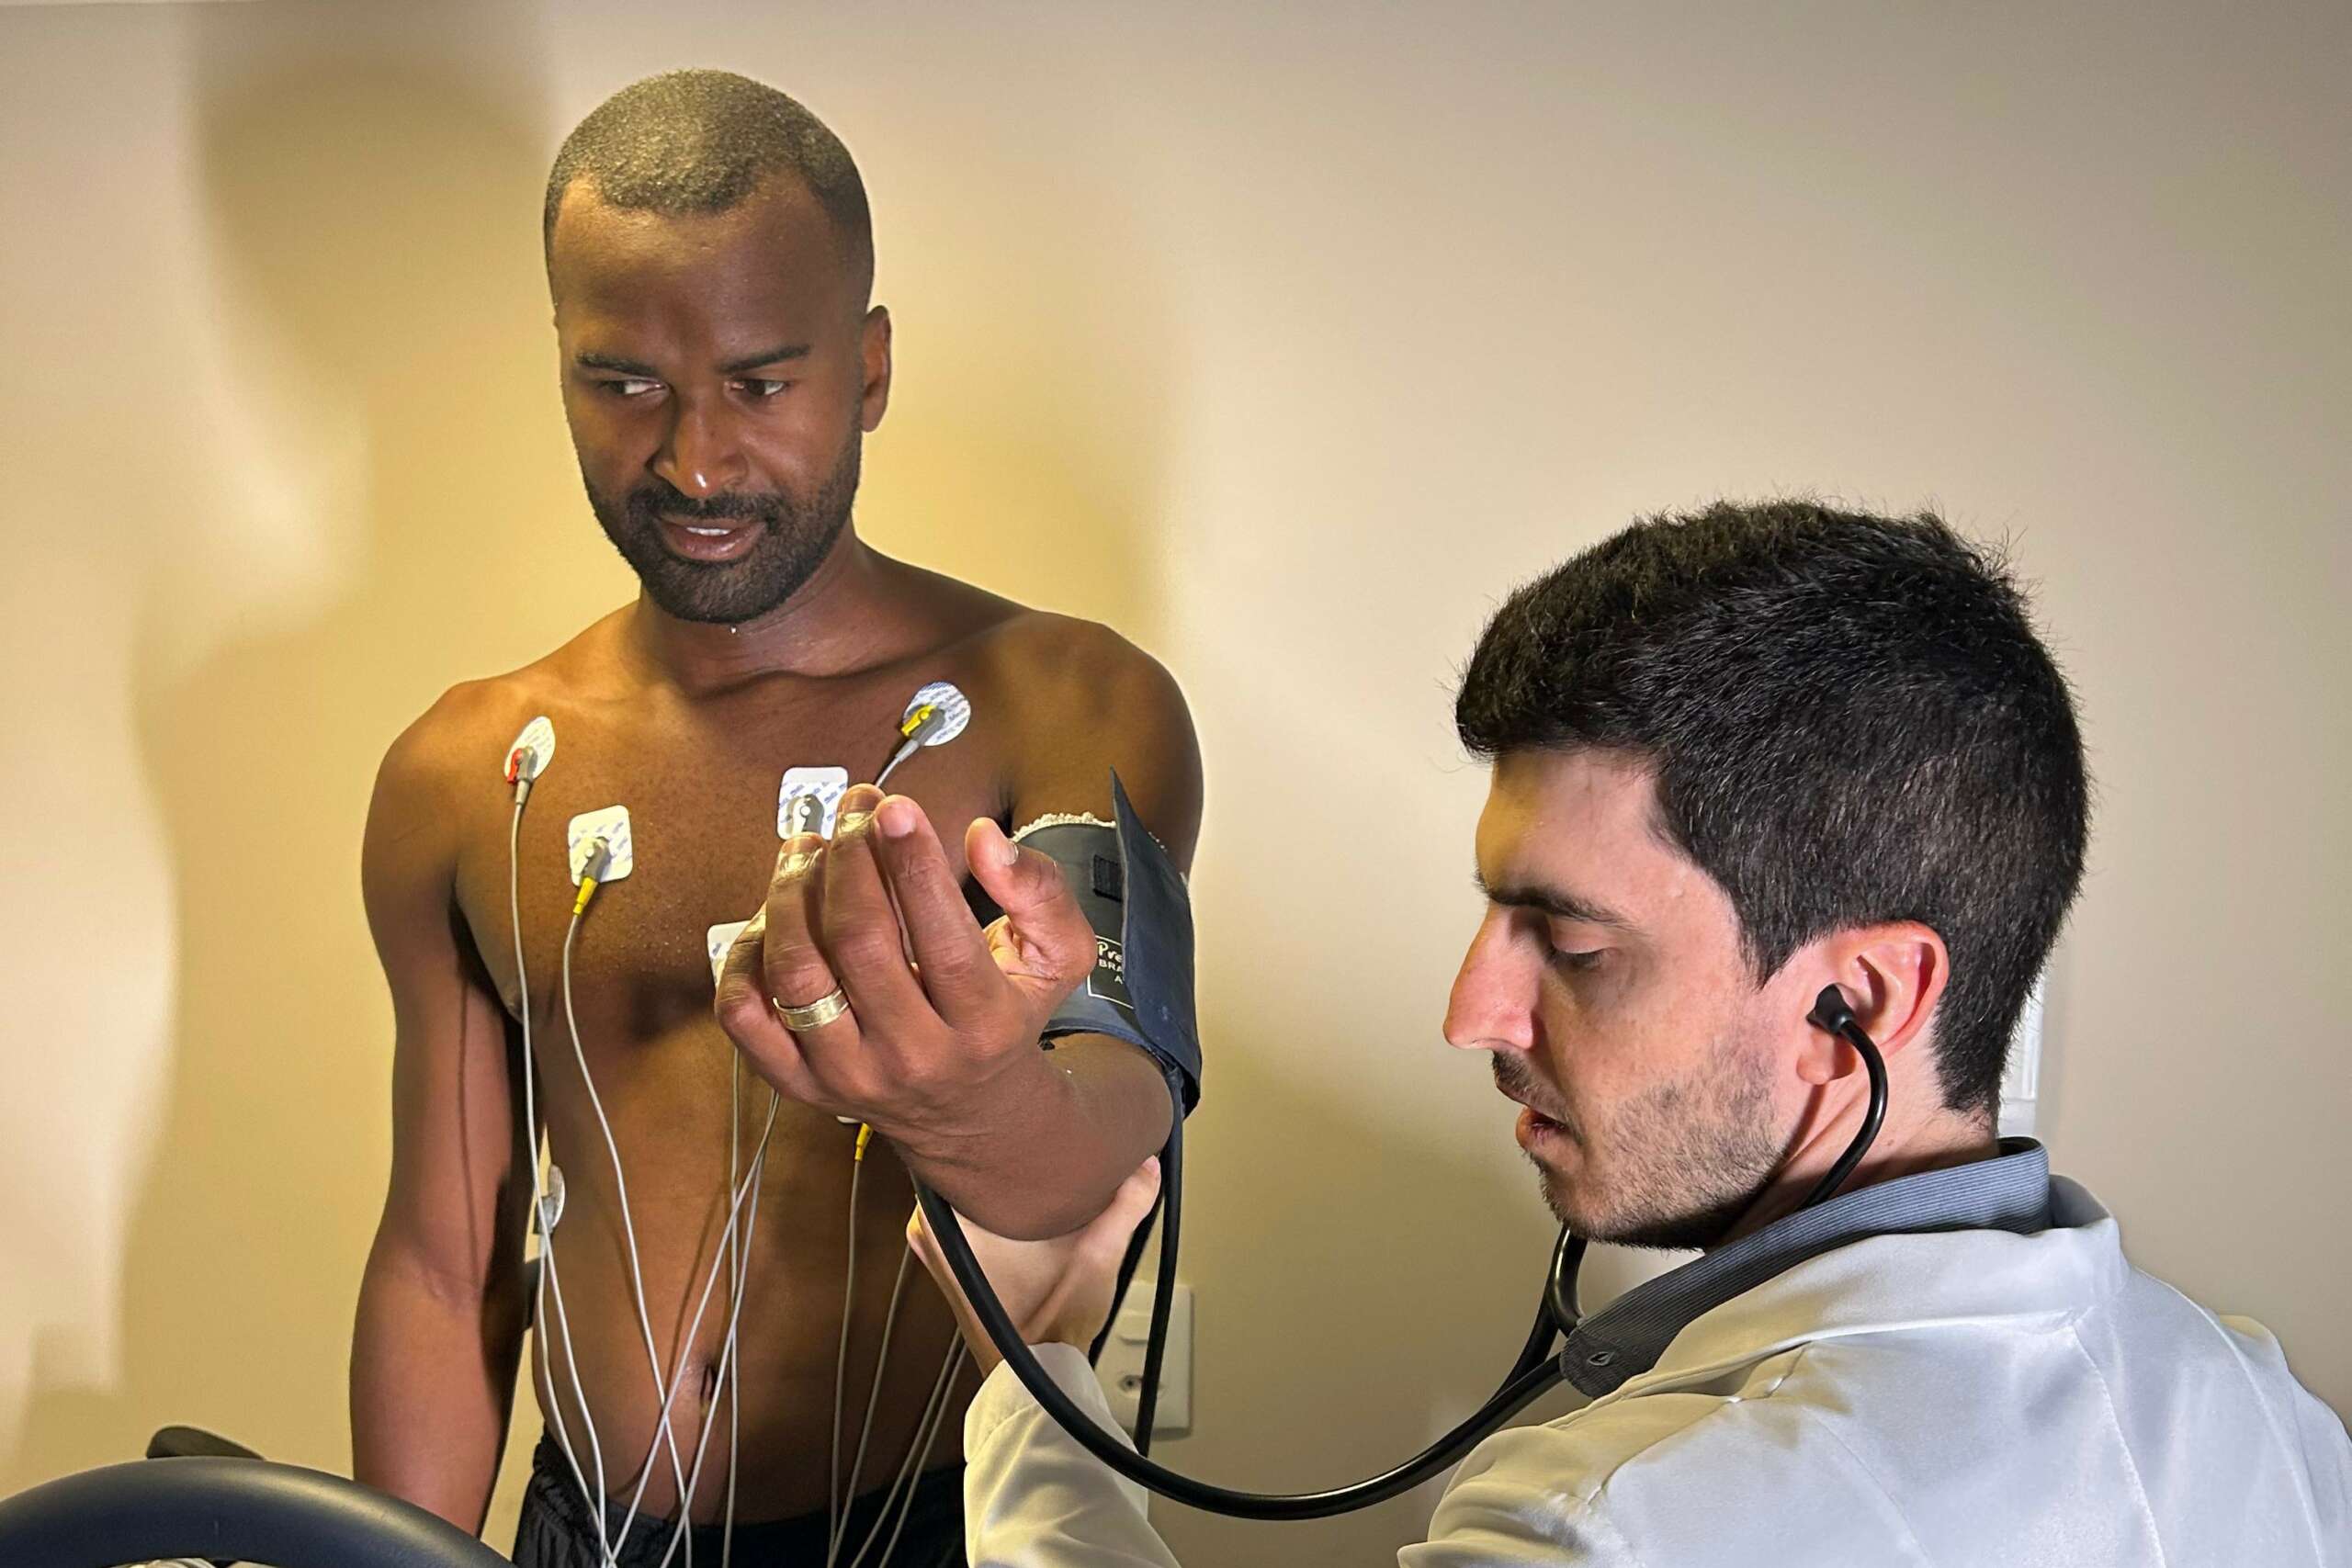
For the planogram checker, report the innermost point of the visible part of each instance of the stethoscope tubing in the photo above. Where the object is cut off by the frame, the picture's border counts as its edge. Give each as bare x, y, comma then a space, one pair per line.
1535, 1370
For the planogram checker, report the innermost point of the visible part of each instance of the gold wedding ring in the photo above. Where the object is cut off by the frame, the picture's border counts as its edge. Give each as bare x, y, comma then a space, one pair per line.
816, 1015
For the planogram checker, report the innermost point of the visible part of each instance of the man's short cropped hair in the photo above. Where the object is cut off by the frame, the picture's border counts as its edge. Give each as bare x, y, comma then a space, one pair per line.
691, 142
1850, 720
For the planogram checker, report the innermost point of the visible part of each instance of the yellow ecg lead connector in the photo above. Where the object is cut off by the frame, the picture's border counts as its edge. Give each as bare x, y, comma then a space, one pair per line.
599, 856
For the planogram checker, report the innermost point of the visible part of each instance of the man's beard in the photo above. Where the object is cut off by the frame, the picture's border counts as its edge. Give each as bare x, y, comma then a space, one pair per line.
796, 534
1683, 1160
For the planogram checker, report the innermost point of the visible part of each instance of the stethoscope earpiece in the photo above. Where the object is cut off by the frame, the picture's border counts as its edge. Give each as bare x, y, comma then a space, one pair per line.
1830, 1013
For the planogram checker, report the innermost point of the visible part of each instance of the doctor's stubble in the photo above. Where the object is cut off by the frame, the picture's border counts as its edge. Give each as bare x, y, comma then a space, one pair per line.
1672, 1167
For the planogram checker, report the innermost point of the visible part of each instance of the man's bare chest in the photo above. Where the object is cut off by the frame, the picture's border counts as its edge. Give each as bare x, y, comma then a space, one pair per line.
704, 801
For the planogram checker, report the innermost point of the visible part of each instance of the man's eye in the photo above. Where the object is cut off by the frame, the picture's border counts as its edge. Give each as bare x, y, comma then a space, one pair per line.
762, 389
634, 386
1576, 963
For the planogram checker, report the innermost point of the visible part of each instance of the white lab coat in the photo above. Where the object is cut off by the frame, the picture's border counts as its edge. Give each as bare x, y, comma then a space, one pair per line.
1964, 1398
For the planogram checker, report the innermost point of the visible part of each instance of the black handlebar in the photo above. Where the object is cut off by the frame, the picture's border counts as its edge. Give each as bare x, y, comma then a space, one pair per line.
234, 1509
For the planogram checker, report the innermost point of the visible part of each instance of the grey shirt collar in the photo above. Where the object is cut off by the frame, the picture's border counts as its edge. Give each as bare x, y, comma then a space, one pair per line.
2010, 1191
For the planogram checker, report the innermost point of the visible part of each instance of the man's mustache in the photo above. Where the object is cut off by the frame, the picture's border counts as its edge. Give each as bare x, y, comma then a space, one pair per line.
659, 500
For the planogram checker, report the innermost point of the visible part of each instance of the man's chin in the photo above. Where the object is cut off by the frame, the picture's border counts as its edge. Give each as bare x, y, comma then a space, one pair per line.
718, 593
711, 603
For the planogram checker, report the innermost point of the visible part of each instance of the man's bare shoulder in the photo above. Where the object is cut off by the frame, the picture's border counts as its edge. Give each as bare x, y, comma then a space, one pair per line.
467, 732
1070, 669
1039, 661
1081, 699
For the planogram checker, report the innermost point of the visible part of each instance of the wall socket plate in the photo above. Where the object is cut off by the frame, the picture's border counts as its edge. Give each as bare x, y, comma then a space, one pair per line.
1121, 1369
2021, 1079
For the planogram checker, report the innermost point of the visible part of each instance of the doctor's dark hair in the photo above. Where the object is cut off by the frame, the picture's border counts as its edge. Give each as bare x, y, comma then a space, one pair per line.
1849, 719
693, 142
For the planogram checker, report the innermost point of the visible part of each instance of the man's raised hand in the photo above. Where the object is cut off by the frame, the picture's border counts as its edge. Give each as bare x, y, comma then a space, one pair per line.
941, 1016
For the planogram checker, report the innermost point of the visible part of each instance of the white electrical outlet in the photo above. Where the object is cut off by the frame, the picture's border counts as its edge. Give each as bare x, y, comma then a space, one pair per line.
1121, 1369
2021, 1079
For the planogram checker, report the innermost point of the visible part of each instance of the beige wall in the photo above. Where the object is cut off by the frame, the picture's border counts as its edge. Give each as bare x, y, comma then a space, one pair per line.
1285, 343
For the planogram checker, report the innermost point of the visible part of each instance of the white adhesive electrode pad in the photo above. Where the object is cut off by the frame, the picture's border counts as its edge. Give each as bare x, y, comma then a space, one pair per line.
551, 1200
720, 941
954, 711
611, 824
537, 741
808, 800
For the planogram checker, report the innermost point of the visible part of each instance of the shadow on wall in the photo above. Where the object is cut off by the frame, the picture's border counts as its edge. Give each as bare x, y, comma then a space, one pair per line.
372, 183
374, 218
1028, 441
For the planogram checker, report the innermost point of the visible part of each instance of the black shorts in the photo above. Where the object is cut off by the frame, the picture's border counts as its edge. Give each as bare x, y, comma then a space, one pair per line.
556, 1530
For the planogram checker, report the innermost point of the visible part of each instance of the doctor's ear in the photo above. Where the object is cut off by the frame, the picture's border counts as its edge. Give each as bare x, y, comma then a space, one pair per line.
1889, 977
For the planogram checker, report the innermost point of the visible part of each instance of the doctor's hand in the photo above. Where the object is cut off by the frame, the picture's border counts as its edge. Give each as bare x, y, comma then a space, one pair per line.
866, 988
1057, 1292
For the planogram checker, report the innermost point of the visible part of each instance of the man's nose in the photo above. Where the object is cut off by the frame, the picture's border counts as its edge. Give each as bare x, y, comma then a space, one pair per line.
704, 454
1490, 1008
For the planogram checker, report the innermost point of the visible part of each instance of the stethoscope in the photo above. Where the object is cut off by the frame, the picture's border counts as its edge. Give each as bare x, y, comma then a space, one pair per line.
1536, 1369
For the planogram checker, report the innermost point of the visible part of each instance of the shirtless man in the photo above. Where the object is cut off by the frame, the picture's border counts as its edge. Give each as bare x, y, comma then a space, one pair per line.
710, 259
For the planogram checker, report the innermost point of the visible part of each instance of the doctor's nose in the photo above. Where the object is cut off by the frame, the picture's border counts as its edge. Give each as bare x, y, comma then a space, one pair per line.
1490, 1008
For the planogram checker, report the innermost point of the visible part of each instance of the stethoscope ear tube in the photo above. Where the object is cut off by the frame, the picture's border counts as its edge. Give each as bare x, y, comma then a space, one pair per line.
1535, 1371
1830, 1013
1561, 1312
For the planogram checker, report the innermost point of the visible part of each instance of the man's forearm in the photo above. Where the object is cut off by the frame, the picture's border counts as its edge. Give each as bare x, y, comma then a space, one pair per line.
1046, 1152
432, 1389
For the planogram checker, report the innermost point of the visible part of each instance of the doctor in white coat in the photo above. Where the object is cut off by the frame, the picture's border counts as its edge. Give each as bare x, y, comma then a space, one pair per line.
1738, 757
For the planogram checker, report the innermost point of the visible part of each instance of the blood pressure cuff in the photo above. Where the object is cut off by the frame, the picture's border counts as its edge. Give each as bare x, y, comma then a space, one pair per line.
1140, 989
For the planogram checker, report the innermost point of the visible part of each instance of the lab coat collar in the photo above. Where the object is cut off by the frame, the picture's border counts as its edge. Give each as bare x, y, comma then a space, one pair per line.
1821, 1267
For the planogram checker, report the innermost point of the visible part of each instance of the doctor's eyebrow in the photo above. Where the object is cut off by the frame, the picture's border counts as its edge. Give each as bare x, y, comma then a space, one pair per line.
1557, 902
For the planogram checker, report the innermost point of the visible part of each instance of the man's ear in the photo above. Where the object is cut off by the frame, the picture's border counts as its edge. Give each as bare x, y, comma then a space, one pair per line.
1892, 976
875, 345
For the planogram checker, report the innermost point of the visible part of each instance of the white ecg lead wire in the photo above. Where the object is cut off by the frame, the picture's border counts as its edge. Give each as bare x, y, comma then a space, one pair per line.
548, 1278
